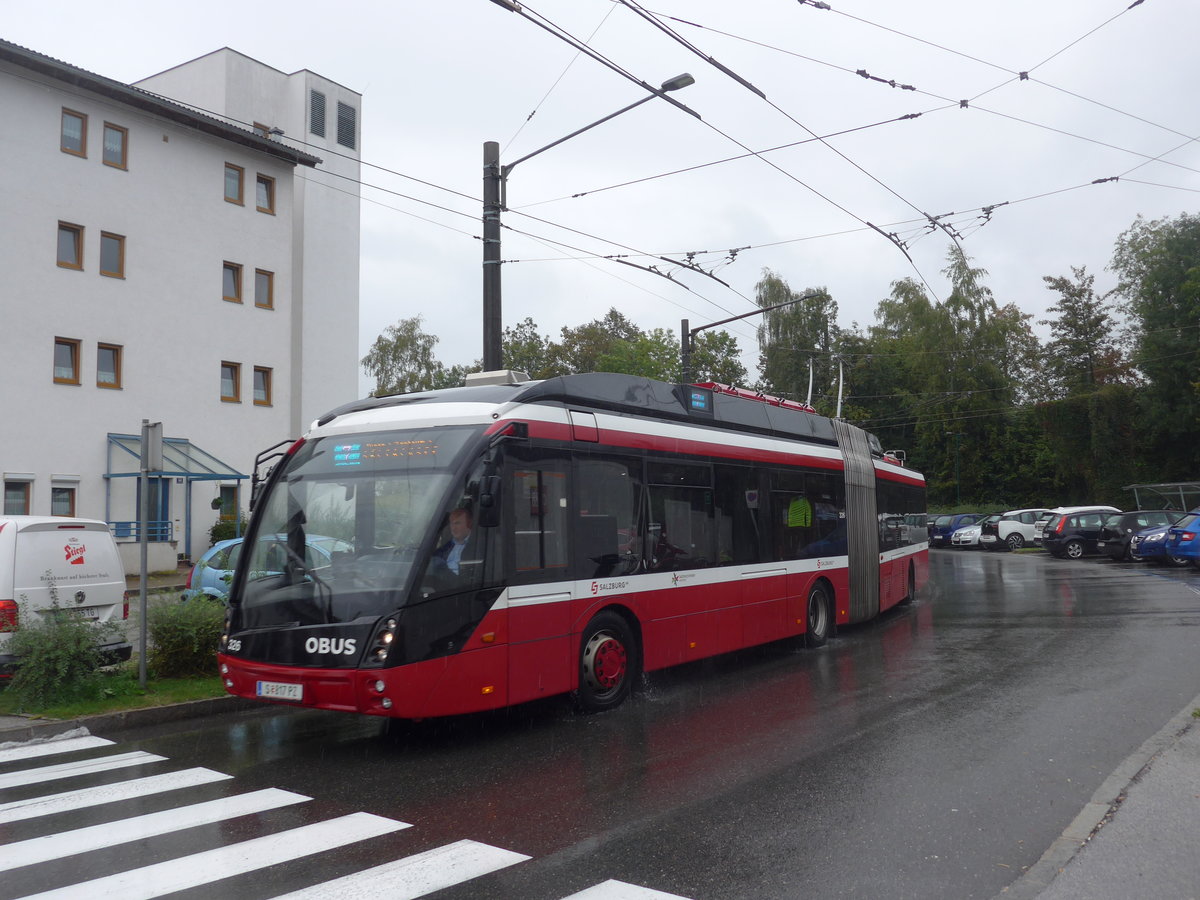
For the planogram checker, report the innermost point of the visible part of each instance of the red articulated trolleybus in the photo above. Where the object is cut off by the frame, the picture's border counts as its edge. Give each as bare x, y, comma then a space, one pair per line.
518, 540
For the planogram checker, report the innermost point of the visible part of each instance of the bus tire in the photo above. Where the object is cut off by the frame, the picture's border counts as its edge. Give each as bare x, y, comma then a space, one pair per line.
818, 616
912, 587
608, 663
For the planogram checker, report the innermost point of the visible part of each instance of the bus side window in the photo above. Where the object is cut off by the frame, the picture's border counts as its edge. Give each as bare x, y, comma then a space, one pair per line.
608, 495
681, 532
737, 514
538, 499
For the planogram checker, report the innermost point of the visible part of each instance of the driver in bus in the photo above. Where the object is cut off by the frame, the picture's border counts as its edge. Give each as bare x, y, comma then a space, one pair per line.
451, 552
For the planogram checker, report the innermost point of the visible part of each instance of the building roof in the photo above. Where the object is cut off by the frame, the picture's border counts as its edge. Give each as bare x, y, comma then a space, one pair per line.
149, 102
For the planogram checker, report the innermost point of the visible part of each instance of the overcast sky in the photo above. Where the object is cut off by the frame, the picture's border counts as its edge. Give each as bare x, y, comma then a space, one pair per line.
1110, 92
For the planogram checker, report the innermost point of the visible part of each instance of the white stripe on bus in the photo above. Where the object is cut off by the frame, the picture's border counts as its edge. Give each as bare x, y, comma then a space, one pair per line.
49, 748
123, 831
83, 767
414, 876
19, 810
619, 890
225, 862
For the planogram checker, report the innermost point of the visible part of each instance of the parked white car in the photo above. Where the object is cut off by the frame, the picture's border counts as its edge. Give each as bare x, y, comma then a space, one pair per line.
1011, 530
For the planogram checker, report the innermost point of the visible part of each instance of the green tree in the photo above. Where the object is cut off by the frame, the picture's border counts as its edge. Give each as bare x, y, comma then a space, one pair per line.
790, 337
402, 360
1082, 352
717, 357
525, 349
1158, 265
582, 348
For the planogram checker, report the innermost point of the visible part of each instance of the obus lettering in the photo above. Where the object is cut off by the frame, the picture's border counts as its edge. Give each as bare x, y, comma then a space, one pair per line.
330, 645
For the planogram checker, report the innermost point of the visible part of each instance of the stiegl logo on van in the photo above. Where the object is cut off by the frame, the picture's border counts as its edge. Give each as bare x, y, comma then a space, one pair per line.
325, 646
74, 552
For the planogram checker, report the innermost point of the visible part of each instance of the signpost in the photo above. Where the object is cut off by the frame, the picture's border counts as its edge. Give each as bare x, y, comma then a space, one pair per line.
151, 462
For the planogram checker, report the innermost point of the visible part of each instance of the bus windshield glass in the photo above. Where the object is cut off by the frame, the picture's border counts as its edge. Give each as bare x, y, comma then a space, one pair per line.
338, 534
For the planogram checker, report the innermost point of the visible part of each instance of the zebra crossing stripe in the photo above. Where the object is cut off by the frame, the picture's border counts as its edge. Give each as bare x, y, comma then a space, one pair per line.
82, 767
619, 890
49, 748
414, 876
226, 862
19, 810
110, 834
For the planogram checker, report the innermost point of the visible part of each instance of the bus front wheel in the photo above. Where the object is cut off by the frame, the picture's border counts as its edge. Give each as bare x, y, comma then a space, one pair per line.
819, 617
608, 663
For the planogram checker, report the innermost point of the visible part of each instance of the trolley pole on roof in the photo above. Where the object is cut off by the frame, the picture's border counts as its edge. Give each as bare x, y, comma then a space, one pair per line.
687, 336
495, 201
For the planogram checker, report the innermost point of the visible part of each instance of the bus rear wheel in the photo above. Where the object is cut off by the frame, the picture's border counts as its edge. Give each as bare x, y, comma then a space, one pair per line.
608, 663
819, 617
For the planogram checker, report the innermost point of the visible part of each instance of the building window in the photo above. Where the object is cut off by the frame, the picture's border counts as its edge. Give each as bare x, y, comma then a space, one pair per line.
231, 382
347, 125
264, 194
70, 246
62, 501
116, 140
233, 183
262, 386
316, 113
74, 133
66, 361
112, 255
108, 366
16, 498
264, 289
231, 283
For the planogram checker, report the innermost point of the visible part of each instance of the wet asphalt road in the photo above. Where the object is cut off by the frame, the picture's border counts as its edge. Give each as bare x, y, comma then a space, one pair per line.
936, 752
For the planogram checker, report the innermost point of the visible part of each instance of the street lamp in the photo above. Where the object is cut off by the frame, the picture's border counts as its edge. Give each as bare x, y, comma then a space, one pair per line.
495, 190
957, 486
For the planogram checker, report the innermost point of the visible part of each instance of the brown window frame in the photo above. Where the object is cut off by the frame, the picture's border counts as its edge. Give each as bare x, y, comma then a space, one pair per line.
71, 492
270, 298
78, 231
267, 379
270, 183
82, 152
241, 184
123, 165
26, 490
76, 346
236, 396
118, 352
120, 239
236, 268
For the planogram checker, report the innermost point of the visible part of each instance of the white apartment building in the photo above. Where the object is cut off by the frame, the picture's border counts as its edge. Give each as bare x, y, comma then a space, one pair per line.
191, 261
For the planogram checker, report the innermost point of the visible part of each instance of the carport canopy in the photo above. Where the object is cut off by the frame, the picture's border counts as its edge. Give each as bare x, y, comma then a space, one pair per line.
1181, 495
180, 459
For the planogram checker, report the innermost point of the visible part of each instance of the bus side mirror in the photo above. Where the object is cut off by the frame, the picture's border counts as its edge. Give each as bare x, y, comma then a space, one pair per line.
489, 501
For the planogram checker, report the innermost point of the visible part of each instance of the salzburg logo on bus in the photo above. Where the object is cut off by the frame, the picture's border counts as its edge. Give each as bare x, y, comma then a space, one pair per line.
330, 645
74, 553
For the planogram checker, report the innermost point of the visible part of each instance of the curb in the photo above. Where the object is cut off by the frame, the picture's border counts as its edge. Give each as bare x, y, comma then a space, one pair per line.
42, 730
1097, 811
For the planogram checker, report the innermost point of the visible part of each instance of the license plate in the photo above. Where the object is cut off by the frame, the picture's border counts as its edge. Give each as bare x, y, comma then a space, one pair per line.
278, 690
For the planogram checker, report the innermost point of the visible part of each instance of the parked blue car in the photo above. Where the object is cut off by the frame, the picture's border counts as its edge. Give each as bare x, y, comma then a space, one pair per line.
213, 572
1183, 539
1150, 544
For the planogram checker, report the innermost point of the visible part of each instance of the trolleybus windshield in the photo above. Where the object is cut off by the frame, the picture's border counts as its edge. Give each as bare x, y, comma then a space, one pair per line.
377, 495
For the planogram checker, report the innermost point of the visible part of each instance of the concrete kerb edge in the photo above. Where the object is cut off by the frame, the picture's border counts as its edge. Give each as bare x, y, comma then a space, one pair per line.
36, 730
1095, 814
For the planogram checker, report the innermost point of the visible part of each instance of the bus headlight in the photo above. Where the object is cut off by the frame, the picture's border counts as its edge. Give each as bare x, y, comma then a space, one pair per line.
381, 643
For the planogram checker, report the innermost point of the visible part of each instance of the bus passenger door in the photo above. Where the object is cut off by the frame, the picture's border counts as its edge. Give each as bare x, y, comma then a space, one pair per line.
536, 572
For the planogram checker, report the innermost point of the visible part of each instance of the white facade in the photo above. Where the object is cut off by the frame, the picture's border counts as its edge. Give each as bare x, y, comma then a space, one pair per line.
325, 203
156, 304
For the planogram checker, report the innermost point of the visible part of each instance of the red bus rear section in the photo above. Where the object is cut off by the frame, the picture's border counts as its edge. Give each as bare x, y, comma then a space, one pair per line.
616, 526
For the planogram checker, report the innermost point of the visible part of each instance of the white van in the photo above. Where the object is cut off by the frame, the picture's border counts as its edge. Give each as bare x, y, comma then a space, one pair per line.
44, 558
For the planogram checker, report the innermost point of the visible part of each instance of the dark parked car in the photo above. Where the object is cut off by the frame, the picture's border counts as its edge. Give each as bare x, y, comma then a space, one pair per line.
1119, 529
1070, 535
944, 526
